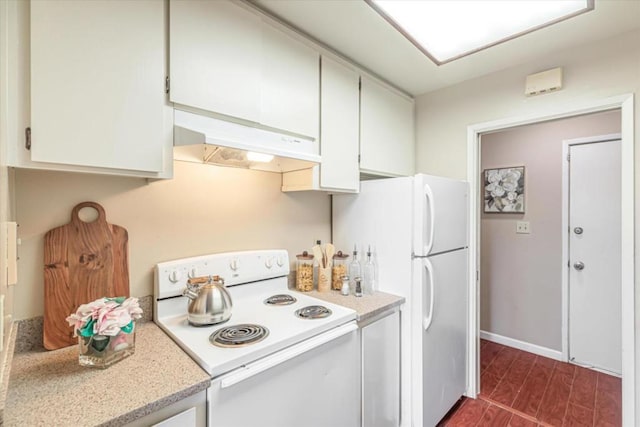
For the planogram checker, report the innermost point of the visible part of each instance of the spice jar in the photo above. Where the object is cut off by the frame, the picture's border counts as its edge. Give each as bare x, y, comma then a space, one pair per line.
304, 272
339, 269
345, 286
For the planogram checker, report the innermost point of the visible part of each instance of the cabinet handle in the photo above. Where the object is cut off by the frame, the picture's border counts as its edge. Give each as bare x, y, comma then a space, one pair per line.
27, 138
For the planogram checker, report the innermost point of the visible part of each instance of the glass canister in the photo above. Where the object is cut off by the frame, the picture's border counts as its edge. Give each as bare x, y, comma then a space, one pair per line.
304, 272
338, 270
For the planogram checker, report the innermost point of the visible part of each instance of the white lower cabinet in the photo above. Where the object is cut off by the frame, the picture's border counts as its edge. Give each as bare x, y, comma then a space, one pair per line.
188, 412
380, 339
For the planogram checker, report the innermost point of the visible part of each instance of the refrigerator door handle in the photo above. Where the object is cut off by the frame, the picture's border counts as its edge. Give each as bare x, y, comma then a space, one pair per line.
426, 323
432, 218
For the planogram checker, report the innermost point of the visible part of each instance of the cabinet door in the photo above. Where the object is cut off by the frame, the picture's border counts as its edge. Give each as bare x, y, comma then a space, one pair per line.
381, 372
290, 92
386, 131
339, 114
97, 83
215, 57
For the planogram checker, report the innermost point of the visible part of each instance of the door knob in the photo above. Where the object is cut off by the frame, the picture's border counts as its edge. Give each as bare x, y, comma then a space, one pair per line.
579, 265
578, 230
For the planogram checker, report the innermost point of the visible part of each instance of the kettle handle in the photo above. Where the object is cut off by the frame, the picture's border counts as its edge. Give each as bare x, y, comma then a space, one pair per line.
190, 293
198, 280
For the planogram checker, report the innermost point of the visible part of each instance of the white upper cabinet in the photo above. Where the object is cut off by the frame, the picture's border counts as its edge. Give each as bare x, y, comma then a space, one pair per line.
339, 127
387, 140
339, 113
215, 57
232, 61
97, 84
290, 83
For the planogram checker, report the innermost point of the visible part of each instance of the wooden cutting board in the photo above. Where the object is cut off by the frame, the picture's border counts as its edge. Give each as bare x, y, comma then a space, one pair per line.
83, 261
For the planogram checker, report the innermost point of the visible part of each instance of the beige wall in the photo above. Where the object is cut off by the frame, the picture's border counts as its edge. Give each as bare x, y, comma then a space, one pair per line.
204, 209
520, 286
592, 72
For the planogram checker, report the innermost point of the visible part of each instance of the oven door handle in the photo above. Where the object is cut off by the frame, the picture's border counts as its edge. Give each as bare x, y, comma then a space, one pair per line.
289, 353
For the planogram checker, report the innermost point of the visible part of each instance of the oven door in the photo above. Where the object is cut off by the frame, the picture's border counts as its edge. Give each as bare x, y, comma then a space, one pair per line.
313, 383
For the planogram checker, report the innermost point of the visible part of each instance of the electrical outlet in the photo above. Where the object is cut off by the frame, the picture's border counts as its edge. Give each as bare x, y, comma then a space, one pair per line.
522, 227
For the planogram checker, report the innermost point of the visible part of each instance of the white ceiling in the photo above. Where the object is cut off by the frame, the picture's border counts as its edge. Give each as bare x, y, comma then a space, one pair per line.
353, 29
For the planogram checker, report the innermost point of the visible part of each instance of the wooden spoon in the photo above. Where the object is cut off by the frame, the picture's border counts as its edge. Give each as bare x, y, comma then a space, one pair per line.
317, 254
330, 250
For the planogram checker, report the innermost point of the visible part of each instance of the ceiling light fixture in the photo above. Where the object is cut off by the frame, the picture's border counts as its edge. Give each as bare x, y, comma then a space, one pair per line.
446, 30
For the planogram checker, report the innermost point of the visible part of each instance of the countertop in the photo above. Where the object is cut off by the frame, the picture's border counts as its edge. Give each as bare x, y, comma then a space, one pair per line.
366, 306
51, 388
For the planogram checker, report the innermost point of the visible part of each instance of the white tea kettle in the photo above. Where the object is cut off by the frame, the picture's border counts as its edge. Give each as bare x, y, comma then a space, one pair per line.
210, 302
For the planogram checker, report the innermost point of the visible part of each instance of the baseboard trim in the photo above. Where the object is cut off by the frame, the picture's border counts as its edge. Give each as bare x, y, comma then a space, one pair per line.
521, 345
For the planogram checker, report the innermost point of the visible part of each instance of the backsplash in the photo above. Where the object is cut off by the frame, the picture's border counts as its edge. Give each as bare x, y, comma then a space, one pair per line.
204, 209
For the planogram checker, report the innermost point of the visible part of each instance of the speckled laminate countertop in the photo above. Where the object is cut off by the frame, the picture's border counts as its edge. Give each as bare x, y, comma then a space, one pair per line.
367, 306
51, 388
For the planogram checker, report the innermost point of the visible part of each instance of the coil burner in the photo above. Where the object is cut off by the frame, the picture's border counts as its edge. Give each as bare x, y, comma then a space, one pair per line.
313, 312
238, 335
280, 299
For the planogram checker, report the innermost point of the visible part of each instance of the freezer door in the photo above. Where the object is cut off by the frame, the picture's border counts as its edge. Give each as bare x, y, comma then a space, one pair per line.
440, 326
441, 211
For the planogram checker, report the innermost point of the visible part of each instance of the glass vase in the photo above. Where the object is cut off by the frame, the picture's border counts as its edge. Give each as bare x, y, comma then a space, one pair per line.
102, 351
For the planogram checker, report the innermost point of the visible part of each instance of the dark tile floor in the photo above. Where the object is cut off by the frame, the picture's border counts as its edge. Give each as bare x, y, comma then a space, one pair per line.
523, 389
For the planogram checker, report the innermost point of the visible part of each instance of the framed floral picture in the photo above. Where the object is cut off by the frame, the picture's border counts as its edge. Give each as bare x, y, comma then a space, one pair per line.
504, 190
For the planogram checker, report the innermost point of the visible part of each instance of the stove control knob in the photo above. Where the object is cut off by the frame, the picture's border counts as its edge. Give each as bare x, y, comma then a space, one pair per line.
280, 261
174, 276
268, 262
193, 272
234, 264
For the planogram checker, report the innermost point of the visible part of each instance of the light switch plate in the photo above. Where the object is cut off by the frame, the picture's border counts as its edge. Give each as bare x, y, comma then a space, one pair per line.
523, 227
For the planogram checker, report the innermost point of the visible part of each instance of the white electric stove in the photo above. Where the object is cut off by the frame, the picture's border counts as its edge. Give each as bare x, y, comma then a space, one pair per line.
283, 352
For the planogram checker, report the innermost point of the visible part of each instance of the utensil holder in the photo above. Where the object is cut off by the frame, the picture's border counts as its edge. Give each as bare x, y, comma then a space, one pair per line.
324, 278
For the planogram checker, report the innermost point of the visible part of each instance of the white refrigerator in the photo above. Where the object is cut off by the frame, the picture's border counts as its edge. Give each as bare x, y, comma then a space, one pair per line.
418, 231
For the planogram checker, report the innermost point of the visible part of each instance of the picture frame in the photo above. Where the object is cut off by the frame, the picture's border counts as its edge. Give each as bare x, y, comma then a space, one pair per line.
504, 190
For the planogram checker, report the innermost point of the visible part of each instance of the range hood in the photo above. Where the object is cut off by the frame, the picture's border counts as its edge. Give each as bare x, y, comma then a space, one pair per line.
205, 139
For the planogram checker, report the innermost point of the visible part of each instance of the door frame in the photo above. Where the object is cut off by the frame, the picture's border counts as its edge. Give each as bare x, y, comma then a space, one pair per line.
566, 144
625, 103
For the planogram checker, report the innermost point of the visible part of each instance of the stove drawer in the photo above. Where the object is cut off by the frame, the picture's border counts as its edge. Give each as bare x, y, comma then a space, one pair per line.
315, 383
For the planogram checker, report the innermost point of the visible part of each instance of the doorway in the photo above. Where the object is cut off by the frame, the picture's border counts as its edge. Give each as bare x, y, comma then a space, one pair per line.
591, 253
626, 104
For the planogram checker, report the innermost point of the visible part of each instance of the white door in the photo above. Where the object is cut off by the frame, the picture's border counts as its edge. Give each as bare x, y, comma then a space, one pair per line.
594, 255
440, 328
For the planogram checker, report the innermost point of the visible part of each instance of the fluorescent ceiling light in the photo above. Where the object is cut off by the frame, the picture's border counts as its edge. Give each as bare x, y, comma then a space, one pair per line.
450, 29
259, 157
